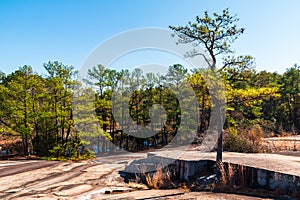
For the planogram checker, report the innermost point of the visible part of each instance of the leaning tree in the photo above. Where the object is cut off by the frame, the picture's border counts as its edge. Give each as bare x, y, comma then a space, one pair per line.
215, 34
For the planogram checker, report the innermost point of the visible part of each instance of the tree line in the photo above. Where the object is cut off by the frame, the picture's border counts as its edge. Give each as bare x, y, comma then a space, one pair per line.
56, 115
41, 108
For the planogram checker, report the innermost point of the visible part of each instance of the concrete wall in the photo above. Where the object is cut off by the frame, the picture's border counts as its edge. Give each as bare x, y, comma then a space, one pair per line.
240, 175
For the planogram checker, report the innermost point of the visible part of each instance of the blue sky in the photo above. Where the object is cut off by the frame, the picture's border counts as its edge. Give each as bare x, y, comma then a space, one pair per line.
33, 32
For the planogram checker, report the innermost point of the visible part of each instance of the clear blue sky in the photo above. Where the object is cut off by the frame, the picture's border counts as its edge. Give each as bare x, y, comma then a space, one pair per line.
35, 31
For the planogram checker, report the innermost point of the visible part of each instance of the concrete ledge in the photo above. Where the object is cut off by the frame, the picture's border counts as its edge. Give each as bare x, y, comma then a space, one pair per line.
269, 171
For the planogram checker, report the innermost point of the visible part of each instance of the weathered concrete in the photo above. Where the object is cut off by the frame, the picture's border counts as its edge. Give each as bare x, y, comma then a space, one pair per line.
261, 178
269, 171
280, 163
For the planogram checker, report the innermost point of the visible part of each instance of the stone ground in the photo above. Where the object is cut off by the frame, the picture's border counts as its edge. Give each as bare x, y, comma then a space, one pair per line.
100, 179
179, 194
32, 179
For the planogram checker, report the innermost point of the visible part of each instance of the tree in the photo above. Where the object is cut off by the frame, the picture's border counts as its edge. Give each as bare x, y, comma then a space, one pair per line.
215, 34
290, 89
60, 83
20, 104
4, 109
102, 78
2, 77
199, 86
87, 127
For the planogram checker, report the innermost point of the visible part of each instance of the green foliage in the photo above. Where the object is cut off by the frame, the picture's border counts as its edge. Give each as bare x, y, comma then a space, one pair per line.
58, 151
215, 33
50, 112
70, 151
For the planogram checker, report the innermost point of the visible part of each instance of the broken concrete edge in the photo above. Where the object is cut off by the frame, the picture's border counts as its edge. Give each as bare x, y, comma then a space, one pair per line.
245, 175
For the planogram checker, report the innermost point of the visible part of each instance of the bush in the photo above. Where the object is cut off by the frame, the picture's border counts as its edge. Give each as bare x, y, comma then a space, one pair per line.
243, 141
70, 151
235, 142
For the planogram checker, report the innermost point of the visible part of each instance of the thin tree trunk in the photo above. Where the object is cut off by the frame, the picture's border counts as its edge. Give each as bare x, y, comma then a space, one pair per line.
26, 126
69, 127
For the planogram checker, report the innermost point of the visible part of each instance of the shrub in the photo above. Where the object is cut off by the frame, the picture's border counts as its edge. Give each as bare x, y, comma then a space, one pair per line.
235, 142
243, 141
70, 151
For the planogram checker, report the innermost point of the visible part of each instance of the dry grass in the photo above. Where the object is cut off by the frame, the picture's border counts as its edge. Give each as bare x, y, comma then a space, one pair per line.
279, 144
137, 186
252, 141
223, 179
255, 136
155, 180
160, 179
232, 177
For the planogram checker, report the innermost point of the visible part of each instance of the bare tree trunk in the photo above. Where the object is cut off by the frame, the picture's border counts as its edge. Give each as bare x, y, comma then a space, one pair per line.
220, 147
